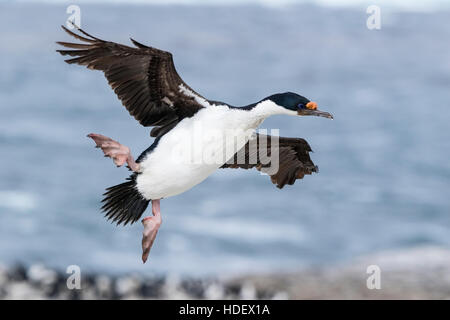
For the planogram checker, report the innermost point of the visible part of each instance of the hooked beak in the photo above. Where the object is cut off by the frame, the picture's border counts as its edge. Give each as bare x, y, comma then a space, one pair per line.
311, 110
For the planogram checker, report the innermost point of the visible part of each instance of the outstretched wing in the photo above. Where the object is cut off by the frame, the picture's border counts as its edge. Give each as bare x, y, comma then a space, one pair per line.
144, 79
293, 161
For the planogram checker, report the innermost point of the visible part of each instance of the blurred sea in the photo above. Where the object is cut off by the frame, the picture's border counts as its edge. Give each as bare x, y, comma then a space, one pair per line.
384, 176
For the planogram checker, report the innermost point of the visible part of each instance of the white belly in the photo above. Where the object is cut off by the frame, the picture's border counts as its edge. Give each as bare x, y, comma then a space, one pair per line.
193, 150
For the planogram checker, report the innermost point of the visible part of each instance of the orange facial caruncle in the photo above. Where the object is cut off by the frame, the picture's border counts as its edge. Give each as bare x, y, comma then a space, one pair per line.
311, 105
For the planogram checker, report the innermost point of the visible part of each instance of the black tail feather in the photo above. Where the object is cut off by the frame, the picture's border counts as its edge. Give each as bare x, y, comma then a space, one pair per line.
123, 203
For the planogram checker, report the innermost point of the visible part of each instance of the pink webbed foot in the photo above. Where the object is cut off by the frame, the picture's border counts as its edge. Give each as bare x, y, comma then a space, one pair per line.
119, 153
151, 227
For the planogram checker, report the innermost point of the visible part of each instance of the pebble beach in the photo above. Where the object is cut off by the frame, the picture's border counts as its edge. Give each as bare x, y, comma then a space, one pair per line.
422, 273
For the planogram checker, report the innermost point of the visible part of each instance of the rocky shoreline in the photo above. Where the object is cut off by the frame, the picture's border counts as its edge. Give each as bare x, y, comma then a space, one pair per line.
40, 282
422, 273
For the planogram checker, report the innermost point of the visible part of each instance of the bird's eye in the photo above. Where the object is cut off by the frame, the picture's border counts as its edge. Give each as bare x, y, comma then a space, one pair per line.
301, 106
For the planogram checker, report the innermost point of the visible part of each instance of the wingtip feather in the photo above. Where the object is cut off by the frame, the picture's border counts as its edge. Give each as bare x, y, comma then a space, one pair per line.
138, 44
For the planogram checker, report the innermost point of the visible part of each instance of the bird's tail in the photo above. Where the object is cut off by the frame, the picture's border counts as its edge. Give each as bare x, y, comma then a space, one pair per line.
123, 203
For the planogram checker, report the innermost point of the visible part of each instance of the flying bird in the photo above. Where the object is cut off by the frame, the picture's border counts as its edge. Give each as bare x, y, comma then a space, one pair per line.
194, 136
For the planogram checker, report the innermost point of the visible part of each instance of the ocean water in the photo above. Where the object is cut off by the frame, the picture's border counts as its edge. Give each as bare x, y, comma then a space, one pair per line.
384, 176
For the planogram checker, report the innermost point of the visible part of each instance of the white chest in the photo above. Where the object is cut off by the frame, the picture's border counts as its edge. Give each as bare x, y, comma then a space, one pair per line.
194, 149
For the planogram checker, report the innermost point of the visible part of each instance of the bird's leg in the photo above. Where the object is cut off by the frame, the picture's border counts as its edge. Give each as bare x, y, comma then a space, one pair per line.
116, 151
151, 226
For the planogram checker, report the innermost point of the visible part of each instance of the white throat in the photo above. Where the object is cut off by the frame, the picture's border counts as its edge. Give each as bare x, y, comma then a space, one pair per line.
269, 108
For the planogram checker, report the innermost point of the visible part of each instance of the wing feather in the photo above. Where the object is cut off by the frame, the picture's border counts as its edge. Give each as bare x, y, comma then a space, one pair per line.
144, 78
293, 159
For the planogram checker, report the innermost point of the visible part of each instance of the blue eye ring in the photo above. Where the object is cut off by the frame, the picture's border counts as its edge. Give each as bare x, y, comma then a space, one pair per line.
301, 106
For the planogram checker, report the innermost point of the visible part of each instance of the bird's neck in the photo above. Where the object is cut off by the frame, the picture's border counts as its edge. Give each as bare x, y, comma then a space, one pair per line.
251, 116
266, 108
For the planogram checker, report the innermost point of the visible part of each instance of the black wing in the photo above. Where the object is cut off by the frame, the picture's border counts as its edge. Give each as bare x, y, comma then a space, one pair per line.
144, 79
293, 159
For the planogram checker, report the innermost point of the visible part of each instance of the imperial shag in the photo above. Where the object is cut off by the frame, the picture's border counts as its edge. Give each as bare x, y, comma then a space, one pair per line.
194, 136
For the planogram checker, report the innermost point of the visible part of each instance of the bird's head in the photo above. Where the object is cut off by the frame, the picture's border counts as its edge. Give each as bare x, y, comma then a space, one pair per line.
299, 104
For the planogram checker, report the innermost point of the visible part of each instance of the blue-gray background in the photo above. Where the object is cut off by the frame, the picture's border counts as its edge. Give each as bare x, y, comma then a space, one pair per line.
384, 160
